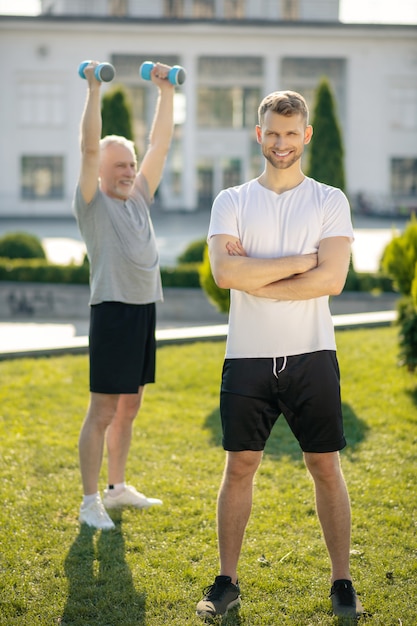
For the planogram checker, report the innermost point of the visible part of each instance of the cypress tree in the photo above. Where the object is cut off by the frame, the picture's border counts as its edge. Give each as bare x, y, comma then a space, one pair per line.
326, 148
116, 114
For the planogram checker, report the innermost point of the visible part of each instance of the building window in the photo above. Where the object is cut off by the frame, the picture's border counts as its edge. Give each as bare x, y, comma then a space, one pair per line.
173, 8
403, 104
118, 8
42, 177
289, 10
41, 103
204, 8
404, 177
205, 174
234, 9
223, 107
232, 174
304, 75
224, 69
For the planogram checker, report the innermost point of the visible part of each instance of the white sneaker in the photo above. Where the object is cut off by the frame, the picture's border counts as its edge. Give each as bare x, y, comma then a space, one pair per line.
95, 515
129, 497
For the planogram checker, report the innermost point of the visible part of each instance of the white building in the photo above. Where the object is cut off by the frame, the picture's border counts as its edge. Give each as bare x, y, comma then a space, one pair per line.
234, 52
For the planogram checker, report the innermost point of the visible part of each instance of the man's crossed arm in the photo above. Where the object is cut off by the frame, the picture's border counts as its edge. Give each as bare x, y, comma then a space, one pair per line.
296, 277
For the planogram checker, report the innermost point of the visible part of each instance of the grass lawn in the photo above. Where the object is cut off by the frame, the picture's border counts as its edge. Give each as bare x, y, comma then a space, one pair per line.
151, 570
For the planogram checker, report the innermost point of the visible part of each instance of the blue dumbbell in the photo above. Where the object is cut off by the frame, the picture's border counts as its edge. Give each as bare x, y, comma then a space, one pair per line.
176, 74
104, 72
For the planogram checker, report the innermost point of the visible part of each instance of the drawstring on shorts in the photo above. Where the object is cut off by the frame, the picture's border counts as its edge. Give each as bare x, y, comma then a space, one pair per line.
274, 368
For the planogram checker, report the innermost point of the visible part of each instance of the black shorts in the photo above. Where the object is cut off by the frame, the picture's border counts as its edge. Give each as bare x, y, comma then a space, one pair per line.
122, 347
304, 388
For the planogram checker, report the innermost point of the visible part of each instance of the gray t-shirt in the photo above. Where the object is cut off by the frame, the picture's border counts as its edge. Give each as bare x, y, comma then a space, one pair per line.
121, 247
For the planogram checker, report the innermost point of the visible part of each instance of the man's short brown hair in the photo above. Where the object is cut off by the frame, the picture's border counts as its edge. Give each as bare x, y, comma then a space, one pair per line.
284, 103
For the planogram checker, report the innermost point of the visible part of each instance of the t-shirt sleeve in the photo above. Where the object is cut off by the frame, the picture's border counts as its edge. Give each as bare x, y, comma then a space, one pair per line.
141, 188
79, 205
223, 219
337, 218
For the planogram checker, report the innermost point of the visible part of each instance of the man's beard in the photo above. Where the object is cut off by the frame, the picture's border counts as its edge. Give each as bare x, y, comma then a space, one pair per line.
280, 164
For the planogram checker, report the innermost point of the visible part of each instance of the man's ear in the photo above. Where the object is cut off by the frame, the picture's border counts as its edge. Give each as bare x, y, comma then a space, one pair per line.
258, 130
308, 133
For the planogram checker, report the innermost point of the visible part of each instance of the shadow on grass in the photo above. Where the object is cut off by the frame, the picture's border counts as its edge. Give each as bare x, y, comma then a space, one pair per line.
101, 589
412, 393
283, 443
232, 618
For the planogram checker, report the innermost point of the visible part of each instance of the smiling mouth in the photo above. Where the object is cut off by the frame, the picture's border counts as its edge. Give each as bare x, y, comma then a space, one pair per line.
281, 154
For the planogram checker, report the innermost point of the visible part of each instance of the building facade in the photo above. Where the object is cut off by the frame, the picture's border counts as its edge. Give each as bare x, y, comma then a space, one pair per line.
234, 53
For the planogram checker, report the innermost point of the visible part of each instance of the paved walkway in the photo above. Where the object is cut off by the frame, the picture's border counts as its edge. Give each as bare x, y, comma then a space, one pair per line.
30, 340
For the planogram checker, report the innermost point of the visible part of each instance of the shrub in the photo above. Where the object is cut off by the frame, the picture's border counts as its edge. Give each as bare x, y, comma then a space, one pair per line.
407, 321
40, 271
194, 252
186, 275
219, 297
400, 262
21, 246
400, 257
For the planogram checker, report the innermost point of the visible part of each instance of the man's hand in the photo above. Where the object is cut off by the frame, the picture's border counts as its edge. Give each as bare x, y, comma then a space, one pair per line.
235, 248
307, 261
159, 76
326, 277
90, 76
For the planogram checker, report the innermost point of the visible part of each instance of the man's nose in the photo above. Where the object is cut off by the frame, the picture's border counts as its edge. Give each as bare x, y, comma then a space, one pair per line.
279, 142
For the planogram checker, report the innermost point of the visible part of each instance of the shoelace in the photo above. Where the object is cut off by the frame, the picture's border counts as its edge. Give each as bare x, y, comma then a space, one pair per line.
216, 590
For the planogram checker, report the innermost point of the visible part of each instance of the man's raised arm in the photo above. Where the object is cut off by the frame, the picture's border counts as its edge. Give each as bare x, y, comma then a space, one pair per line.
162, 129
90, 136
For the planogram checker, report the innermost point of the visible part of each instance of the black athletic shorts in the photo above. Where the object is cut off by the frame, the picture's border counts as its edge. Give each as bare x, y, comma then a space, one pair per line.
122, 347
304, 388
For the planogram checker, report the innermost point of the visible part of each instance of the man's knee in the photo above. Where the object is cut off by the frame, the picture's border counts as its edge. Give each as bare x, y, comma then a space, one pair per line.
240, 465
102, 408
323, 466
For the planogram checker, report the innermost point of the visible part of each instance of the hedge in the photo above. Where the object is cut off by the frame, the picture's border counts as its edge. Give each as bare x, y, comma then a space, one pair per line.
40, 271
183, 275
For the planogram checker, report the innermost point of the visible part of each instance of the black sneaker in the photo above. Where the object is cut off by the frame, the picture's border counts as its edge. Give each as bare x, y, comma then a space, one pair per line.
345, 602
219, 597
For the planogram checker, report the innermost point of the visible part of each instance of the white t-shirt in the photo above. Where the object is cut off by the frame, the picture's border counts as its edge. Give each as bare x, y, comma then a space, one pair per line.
272, 225
121, 246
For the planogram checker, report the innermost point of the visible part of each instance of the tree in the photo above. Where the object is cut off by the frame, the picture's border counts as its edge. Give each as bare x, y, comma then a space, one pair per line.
116, 113
326, 151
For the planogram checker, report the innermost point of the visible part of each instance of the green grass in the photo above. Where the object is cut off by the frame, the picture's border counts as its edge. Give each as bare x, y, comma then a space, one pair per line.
151, 569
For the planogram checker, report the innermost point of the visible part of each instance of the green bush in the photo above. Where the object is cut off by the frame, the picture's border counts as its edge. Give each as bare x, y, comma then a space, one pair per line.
400, 263
186, 275
194, 252
21, 246
40, 271
400, 257
189, 274
367, 282
407, 321
219, 297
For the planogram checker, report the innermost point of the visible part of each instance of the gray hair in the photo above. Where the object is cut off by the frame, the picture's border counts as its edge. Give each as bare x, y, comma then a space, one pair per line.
109, 140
